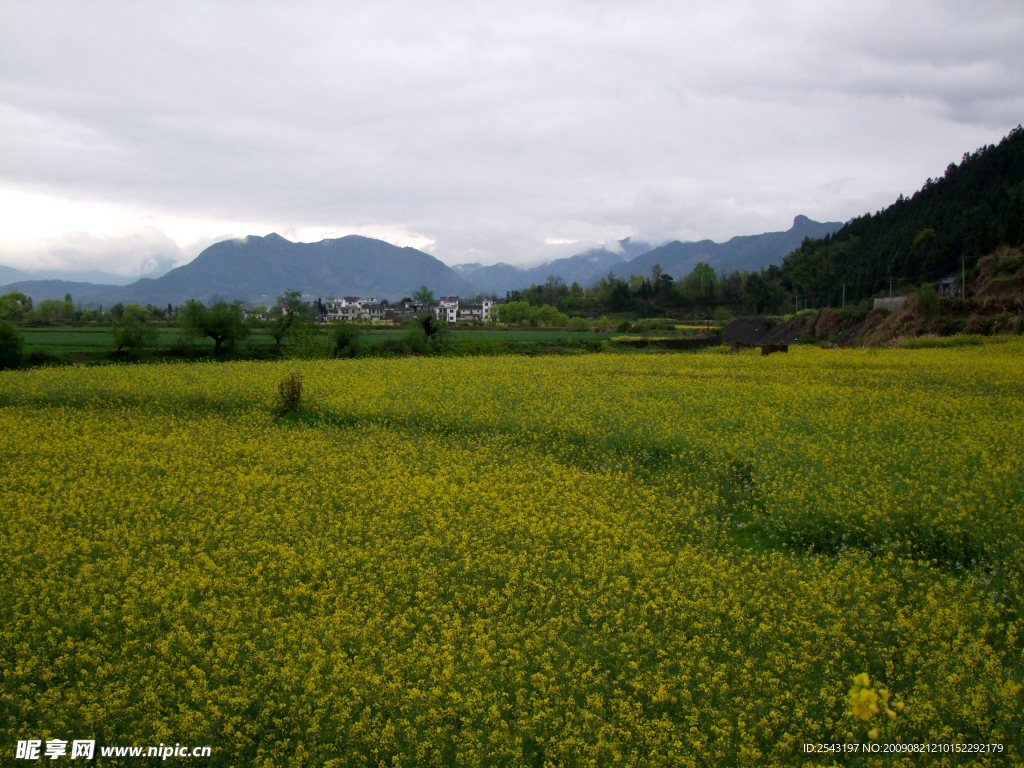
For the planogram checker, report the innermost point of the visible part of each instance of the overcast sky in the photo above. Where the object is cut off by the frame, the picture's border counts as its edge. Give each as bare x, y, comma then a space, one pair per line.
134, 134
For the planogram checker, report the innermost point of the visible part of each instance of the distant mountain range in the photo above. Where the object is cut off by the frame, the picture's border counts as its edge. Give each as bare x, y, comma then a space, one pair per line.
11, 275
583, 268
746, 252
258, 269
99, 277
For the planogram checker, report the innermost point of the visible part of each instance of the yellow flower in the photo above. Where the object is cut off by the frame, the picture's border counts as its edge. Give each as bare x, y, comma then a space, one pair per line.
864, 702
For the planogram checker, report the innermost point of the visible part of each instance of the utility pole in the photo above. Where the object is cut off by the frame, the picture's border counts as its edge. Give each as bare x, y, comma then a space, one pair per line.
963, 278
890, 287
844, 295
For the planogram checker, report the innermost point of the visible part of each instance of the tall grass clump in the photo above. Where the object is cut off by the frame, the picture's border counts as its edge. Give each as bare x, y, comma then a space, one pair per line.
289, 393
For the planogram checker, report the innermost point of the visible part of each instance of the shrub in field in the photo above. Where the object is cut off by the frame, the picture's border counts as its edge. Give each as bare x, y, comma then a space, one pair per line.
289, 393
578, 324
10, 346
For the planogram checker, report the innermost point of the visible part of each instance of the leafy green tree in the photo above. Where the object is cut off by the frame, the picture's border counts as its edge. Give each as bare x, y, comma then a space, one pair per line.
553, 292
613, 294
702, 283
10, 346
424, 295
415, 338
434, 328
549, 317
287, 316
55, 311
346, 339
513, 313
14, 305
134, 331
761, 292
221, 322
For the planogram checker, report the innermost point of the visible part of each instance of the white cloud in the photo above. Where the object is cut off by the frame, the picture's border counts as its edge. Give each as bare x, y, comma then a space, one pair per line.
476, 131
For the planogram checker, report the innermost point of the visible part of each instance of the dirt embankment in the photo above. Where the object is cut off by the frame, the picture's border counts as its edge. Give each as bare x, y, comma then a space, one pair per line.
996, 305
880, 327
824, 325
1001, 275
982, 316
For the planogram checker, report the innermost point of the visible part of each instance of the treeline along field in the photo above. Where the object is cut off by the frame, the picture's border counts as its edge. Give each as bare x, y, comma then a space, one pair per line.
596, 560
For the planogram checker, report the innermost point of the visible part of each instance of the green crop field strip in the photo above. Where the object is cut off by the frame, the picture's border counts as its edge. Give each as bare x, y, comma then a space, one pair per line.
608, 559
67, 339
100, 339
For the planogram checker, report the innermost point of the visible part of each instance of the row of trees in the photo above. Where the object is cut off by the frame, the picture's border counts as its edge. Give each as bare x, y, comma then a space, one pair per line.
700, 292
293, 321
17, 307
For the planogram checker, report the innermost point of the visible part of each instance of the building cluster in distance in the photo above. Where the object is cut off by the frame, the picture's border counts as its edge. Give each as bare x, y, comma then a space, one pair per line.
357, 309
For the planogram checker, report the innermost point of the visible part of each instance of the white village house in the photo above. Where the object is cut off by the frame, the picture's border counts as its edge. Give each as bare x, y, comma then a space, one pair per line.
452, 311
347, 308
353, 309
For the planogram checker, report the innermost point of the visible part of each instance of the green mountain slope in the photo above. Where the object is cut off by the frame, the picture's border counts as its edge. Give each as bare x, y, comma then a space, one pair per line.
975, 207
260, 268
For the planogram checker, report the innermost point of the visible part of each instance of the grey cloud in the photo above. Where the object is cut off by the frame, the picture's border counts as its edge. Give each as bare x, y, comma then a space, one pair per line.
491, 128
140, 251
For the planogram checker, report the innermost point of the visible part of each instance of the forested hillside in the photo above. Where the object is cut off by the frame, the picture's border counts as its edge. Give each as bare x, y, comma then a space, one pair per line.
975, 207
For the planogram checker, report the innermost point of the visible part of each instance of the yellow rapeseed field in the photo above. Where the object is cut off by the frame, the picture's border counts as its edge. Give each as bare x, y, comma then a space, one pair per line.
604, 560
